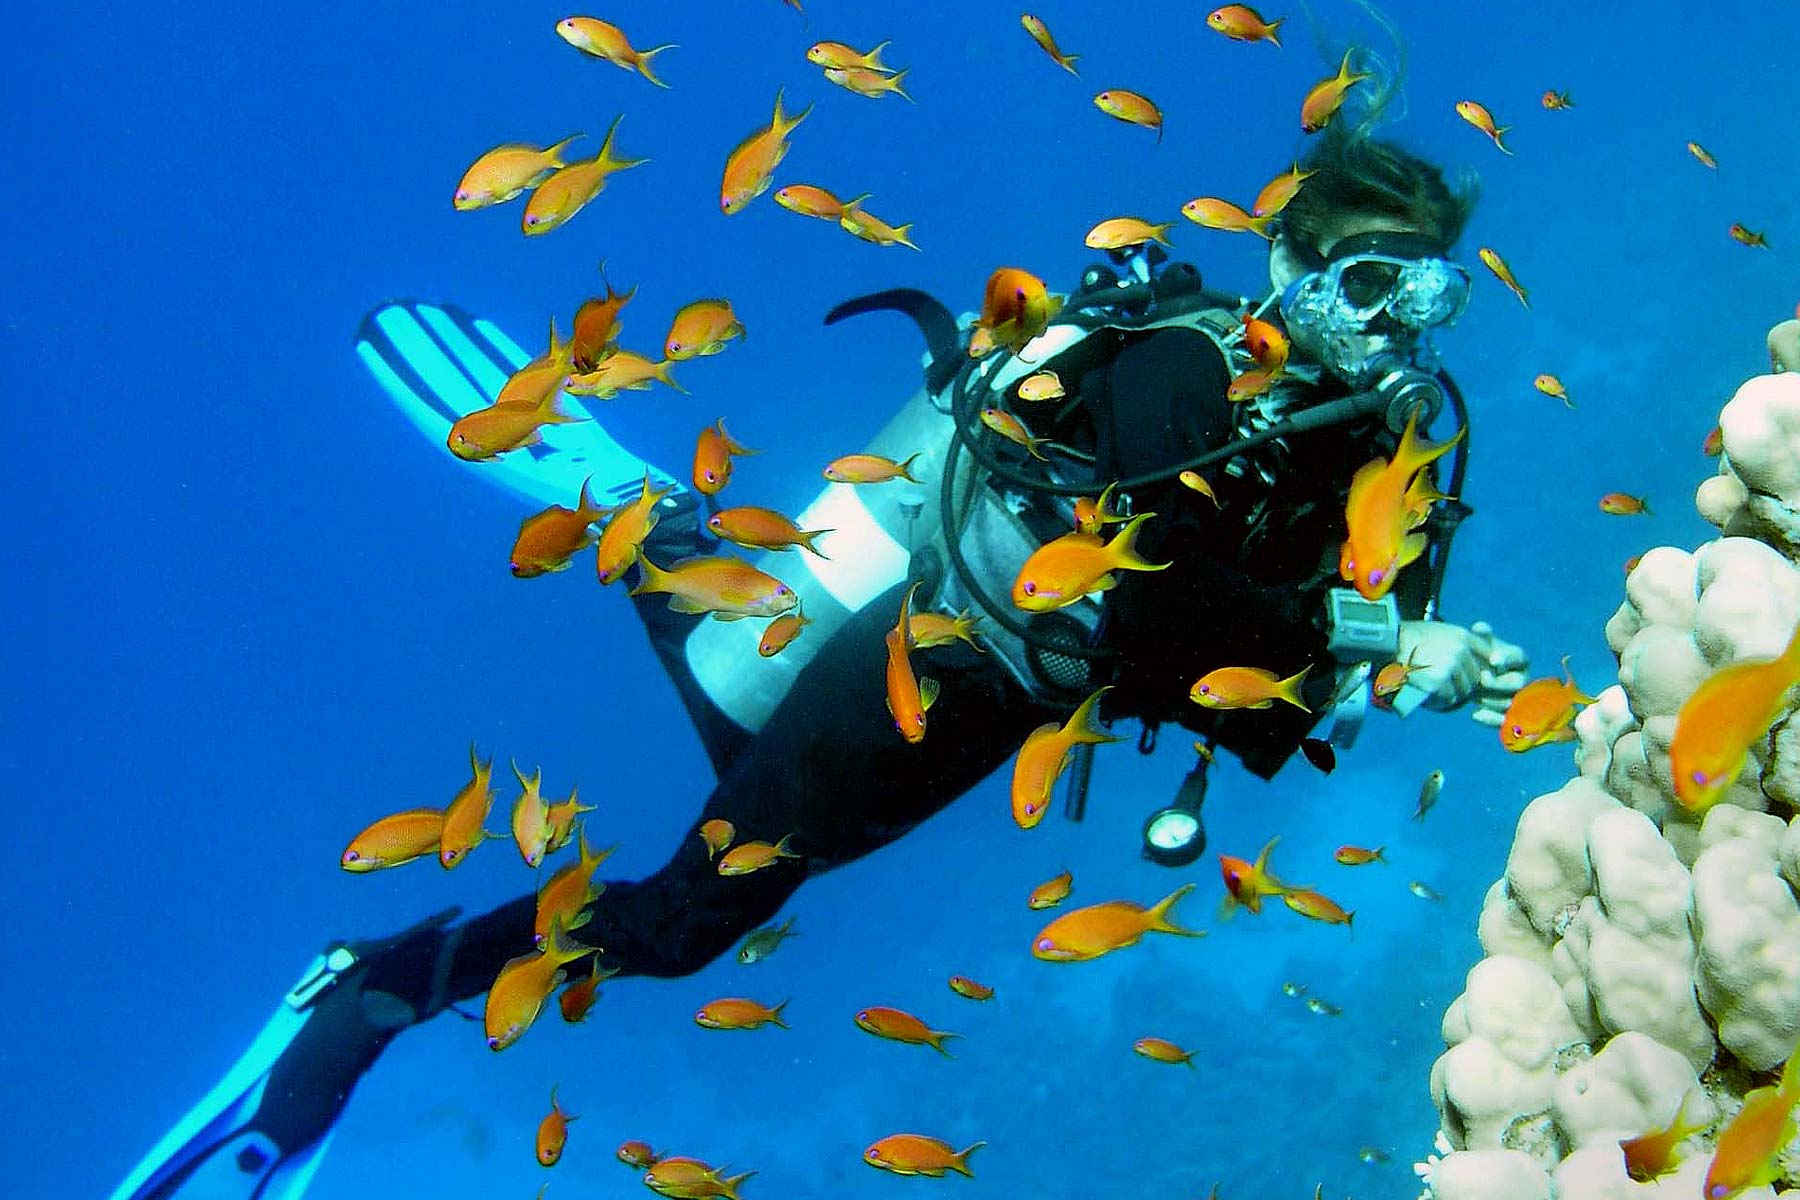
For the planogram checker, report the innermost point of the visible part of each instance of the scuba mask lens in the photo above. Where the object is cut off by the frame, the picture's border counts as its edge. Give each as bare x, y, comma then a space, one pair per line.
1429, 293
1366, 283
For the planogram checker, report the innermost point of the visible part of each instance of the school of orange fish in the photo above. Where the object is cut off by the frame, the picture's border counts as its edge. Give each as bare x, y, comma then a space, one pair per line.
1388, 502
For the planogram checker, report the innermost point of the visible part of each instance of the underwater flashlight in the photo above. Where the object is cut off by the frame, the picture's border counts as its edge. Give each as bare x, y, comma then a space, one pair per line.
1174, 836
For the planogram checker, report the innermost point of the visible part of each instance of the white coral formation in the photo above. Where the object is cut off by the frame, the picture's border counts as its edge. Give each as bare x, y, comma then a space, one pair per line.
1638, 956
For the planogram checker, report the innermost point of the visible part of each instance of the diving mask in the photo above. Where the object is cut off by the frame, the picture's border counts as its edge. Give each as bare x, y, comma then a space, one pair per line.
1377, 294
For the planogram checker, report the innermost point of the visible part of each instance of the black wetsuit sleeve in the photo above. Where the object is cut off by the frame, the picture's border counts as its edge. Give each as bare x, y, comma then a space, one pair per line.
829, 770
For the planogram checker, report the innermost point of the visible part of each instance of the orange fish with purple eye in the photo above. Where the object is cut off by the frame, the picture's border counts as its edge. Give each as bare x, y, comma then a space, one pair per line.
465, 818
637, 1155
573, 188
1131, 108
1241, 23
498, 429
1087, 933
1478, 116
1326, 97
565, 895
575, 1000
508, 171
623, 536
548, 540
1276, 193
870, 468
553, 1133
597, 326
713, 451
810, 201
1246, 883
1714, 445
1094, 514
1163, 1050
1267, 344
1045, 755
518, 993
898, 1026
701, 328
916, 1154
1051, 892
1317, 906
1745, 236
909, 696
1358, 856
1248, 687
780, 633
1622, 504
531, 818
748, 857
750, 168
735, 1012
1493, 262
1731, 710
1013, 430
1748, 1148
969, 989
1542, 712
1556, 101
608, 43
1553, 387
1040, 33
1062, 571
1210, 212
717, 834
393, 840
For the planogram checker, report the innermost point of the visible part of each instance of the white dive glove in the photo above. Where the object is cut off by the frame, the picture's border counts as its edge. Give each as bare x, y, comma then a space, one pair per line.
1457, 665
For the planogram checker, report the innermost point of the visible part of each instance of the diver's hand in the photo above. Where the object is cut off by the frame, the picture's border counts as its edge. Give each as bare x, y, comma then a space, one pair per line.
1457, 665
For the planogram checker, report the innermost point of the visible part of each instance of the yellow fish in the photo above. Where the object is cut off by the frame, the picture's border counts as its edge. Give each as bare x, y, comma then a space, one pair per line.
750, 168
1087, 933
564, 898
1326, 97
519, 991
1731, 709
626, 530
465, 819
507, 170
727, 587
571, 189
590, 35
1078, 564
1044, 756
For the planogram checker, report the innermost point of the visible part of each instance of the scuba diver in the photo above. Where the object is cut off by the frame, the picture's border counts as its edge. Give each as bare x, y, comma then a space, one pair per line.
1360, 278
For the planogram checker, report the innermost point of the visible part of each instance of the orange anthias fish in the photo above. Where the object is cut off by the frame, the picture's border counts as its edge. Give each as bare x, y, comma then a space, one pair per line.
1555, 101
1122, 233
1241, 23
1620, 504
1040, 33
608, 43
1196, 482
749, 169
701, 328
1651, 1155
531, 818
1553, 387
1013, 430
487, 433
1393, 676
1327, 96
519, 991
969, 989
621, 371
1745, 236
1044, 756
559, 819
689, 1178
549, 539
1279, 191
1318, 907
626, 530
1503, 273
1074, 565
735, 1012
1246, 883
1267, 344
1358, 856
564, 898
860, 223
1543, 711
575, 1000
713, 452
597, 327
553, 1133
916, 1154
1131, 108
729, 588
909, 696
395, 839
1714, 443
762, 529
1378, 514
931, 629
1093, 514
571, 189
637, 1155
838, 54
870, 468
1210, 212
505, 171
717, 834
1248, 687
540, 378
1702, 157
1478, 116
1732, 708
1015, 308
1087, 933
466, 817
1162, 1050
1749, 1148
865, 82
810, 201
898, 1026
747, 857
1051, 892
780, 633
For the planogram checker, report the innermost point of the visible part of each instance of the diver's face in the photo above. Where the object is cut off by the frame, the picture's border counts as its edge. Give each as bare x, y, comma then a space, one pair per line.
1286, 265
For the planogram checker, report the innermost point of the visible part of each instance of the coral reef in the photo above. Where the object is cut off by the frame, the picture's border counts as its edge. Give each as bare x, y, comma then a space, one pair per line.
1640, 957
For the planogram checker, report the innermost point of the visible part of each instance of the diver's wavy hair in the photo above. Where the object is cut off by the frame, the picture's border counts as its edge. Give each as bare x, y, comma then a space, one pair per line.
1357, 173
1361, 174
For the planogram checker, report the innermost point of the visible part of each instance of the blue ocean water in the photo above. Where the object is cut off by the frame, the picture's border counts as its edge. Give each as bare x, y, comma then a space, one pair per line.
249, 610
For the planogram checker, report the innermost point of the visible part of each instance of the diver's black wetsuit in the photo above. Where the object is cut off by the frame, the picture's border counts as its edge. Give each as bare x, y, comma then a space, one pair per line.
829, 768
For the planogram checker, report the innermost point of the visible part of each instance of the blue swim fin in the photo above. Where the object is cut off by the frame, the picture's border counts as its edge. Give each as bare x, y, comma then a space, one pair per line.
262, 1131
438, 364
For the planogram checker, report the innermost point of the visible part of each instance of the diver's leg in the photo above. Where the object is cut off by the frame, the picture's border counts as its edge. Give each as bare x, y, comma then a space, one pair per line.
829, 769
